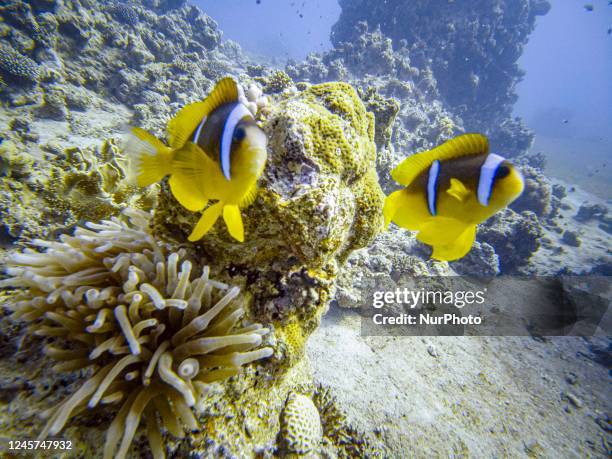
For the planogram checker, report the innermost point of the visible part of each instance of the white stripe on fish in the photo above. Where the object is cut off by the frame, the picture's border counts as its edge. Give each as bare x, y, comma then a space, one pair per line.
487, 176
432, 186
237, 113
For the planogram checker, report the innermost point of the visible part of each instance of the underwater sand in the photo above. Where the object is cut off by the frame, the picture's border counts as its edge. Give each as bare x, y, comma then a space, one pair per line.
480, 396
578, 162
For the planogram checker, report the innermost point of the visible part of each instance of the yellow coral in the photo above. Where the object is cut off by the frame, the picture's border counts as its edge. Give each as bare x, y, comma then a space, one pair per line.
335, 108
275, 83
447, 126
295, 340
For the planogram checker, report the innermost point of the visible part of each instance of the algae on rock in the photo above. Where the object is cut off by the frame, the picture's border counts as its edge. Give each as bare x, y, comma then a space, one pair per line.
40, 194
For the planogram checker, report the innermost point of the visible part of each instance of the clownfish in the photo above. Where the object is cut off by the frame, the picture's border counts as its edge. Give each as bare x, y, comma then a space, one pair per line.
216, 152
449, 190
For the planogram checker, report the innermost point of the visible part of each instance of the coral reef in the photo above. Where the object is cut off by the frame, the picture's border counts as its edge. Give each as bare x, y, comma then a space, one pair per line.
392, 260
319, 200
301, 426
115, 50
588, 212
537, 196
56, 188
481, 260
276, 82
385, 111
103, 65
514, 236
16, 67
114, 299
472, 48
89, 74
74, 73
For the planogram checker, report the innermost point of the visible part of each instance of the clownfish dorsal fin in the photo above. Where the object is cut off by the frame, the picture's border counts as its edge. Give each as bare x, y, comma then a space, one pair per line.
458, 190
460, 146
186, 121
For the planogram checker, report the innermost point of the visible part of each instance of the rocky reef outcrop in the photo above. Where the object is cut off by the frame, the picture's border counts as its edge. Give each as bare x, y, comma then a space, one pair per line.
74, 75
472, 50
319, 200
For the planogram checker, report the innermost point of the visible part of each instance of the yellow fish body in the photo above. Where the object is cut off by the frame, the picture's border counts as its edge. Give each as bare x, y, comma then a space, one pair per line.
216, 152
449, 190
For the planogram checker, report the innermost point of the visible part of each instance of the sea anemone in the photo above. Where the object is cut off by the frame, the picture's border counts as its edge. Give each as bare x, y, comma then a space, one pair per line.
124, 305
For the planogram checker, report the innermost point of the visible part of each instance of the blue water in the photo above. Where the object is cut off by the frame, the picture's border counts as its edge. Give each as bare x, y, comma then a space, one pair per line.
279, 29
565, 96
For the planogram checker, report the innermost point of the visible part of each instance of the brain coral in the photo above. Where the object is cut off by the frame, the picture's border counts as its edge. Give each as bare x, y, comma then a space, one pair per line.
115, 300
301, 425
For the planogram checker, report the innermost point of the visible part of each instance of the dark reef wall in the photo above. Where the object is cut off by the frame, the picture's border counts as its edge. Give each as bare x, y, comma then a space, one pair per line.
472, 48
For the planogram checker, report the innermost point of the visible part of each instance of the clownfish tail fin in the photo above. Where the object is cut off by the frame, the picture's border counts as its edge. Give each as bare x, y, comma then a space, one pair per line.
150, 159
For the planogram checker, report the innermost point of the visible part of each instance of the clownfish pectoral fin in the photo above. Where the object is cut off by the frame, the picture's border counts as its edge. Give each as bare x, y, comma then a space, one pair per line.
192, 160
196, 169
186, 191
249, 196
149, 158
463, 145
391, 206
440, 230
207, 220
456, 249
233, 220
186, 121
458, 190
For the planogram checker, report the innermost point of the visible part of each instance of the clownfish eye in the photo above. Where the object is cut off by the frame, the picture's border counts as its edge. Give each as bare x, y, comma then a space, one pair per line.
239, 134
502, 171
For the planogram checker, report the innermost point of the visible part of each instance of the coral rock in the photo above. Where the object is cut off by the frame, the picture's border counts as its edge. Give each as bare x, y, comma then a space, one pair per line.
125, 14
319, 200
571, 238
301, 425
481, 260
514, 236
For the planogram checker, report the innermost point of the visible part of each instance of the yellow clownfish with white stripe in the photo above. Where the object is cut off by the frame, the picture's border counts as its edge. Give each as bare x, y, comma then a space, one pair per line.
216, 152
449, 190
